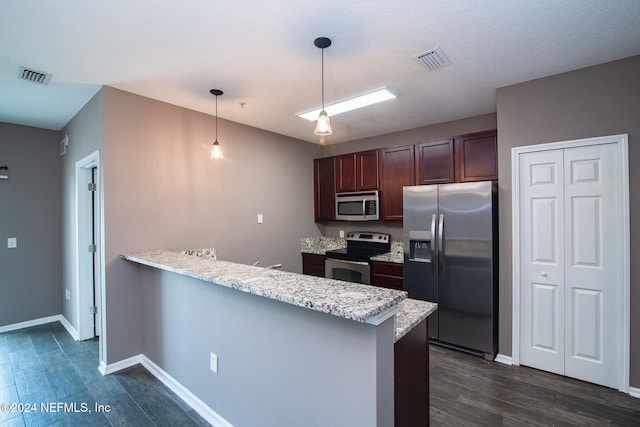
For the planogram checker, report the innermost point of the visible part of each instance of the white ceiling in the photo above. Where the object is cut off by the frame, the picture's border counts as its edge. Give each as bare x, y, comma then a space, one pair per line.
261, 54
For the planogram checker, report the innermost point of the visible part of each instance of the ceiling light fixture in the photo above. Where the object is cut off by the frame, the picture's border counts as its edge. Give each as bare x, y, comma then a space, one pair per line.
216, 151
359, 101
323, 125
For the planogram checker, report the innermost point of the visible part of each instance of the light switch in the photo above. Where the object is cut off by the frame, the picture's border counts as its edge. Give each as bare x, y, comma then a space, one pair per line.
12, 242
260, 219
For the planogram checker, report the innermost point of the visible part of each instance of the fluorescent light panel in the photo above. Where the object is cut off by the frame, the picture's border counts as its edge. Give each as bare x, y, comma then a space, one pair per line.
354, 103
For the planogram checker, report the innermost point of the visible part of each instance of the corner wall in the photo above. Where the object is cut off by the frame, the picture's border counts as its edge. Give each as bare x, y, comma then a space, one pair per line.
596, 101
30, 210
162, 191
85, 133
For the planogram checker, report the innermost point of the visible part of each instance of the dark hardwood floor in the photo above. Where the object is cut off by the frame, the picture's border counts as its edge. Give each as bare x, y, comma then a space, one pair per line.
43, 365
466, 390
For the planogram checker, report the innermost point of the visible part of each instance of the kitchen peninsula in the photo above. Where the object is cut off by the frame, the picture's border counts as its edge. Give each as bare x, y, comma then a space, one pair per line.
291, 349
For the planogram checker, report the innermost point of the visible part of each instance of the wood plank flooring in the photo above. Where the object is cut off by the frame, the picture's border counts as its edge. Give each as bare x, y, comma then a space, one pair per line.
466, 390
44, 365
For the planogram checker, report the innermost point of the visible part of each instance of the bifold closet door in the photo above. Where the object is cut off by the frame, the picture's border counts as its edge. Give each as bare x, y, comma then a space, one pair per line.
570, 259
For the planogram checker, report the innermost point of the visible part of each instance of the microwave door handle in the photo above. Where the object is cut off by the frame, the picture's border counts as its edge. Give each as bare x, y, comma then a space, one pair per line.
364, 207
433, 248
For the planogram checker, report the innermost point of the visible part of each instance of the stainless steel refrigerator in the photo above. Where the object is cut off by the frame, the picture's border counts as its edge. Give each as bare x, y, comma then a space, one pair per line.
450, 257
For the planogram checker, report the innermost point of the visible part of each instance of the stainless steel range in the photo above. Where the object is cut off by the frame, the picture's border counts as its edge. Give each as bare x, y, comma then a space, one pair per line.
352, 263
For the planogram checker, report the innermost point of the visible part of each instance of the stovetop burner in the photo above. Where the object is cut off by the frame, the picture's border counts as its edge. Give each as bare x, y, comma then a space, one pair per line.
362, 245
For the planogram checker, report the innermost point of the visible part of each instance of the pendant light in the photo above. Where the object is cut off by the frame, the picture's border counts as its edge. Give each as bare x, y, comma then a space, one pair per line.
323, 126
216, 150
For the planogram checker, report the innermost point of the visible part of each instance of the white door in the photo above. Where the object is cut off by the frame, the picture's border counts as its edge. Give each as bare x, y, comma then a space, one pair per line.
593, 288
542, 266
570, 287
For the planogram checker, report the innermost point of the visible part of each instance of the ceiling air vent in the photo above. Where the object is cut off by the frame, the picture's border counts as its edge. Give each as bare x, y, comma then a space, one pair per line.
34, 76
433, 58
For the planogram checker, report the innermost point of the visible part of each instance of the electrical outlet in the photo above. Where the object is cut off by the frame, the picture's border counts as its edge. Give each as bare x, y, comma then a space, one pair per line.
67, 294
12, 242
341, 233
214, 363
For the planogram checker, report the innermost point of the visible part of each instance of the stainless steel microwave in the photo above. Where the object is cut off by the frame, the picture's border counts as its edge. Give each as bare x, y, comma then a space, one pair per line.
358, 206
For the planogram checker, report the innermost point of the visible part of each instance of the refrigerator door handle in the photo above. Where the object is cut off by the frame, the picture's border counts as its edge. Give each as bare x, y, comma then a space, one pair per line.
441, 246
433, 248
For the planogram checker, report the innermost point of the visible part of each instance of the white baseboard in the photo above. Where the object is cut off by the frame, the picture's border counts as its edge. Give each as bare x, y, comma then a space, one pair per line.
69, 327
183, 393
30, 323
501, 358
634, 392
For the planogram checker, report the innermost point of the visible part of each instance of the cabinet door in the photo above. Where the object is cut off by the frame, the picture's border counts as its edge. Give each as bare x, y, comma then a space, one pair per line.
435, 162
367, 167
324, 189
477, 157
313, 265
387, 275
346, 173
397, 171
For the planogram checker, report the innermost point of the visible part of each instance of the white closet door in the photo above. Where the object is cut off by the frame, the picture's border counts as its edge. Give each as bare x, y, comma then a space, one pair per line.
571, 262
593, 283
542, 261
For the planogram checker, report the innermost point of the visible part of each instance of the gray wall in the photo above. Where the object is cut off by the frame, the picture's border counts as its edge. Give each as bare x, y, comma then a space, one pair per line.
85, 133
279, 365
407, 137
595, 101
162, 191
30, 275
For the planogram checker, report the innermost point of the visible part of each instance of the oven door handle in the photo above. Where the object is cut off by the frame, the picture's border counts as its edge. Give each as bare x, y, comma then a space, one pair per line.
363, 263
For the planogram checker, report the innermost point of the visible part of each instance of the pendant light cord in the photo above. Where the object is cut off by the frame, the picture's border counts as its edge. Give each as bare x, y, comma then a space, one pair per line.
322, 56
216, 117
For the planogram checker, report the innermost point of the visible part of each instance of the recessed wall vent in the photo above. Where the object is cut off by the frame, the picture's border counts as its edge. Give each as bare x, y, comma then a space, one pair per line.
433, 58
34, 76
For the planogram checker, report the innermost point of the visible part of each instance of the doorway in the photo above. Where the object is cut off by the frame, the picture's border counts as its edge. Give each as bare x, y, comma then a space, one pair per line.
89, 250
571, 259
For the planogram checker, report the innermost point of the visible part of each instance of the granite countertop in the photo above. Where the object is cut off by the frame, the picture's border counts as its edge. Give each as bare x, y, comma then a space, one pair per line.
354, 301
319, 245
410, 313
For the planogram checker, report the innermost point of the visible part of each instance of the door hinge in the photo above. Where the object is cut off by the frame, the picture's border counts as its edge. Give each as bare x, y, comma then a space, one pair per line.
93, 309
92, 186
93, 249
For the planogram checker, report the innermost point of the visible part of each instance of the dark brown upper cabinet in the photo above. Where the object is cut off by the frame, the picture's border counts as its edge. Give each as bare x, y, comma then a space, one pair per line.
324, 189
358, 171
435, 162
397, 171
477, 157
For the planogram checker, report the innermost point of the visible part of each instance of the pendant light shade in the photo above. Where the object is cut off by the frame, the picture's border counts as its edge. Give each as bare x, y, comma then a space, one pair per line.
323, 125
216, 150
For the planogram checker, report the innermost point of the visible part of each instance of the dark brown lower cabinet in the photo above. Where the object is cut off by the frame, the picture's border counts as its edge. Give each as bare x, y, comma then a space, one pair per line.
387, 275
313, 265
411, 365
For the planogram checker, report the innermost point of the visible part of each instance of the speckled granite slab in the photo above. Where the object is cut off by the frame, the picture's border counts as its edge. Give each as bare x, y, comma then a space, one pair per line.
319, 245
342, 299
396, 255
410, 313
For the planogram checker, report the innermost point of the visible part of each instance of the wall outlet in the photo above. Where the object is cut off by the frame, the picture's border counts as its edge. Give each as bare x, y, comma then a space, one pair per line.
341, 233
214, 363
12, 242
67, 294
260, 219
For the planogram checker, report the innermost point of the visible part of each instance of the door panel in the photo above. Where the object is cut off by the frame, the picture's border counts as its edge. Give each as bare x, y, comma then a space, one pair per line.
592, 276
542, 261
